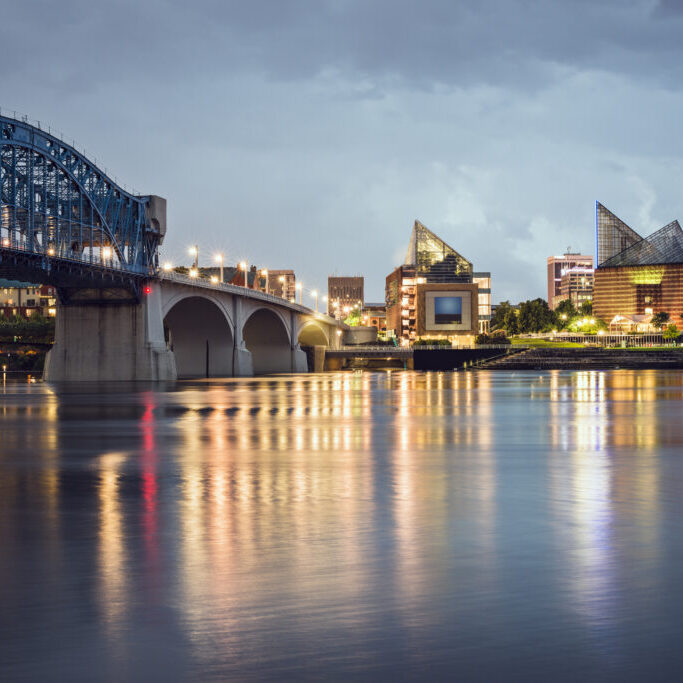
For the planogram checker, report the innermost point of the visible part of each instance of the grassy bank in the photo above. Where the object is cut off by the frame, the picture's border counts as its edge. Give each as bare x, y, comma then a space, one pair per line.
545, 343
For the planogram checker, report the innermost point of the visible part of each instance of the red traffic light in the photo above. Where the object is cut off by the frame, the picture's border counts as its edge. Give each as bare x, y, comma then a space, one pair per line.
148, 289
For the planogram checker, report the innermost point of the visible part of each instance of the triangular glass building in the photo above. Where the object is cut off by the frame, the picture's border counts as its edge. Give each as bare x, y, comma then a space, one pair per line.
636, 276
612, 234
435, 260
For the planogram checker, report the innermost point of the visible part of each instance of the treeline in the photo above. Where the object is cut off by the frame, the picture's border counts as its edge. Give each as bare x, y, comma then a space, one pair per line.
535, 315
37, 328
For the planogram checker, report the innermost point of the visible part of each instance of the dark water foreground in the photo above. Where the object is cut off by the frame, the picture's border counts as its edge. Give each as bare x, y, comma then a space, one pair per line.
497, 526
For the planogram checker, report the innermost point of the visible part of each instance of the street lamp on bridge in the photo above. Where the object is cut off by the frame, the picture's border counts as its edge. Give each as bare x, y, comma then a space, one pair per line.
315, 294
243, 266
264, 272
299, 286
220, 259
194, 251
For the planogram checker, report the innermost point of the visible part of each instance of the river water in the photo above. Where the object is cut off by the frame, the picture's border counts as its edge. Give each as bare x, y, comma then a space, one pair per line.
393, 526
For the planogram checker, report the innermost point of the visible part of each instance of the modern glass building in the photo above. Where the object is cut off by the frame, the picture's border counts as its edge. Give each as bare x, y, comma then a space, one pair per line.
435, 283
644, 276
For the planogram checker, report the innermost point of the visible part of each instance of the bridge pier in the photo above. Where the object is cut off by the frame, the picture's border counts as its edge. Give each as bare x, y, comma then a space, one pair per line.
116, 342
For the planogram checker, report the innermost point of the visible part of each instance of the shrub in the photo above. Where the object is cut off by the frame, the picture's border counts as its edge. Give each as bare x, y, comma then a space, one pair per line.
497, 337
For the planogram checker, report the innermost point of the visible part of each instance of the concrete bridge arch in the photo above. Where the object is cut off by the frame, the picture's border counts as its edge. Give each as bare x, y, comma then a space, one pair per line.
201, 335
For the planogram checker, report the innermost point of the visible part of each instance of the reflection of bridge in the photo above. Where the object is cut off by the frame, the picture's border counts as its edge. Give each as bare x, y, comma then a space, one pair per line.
64, 222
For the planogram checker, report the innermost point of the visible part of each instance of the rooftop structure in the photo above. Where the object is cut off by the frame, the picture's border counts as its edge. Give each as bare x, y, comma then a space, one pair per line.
434, 260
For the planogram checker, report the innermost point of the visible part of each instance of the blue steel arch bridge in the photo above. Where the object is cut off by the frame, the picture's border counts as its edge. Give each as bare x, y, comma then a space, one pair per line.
64, 222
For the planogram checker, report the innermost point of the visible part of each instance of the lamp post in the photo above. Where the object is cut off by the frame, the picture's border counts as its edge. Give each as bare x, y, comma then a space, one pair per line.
299, 286
220, 258
264, 272
243, 266
325, 302
194, 251
282, 286
315, 294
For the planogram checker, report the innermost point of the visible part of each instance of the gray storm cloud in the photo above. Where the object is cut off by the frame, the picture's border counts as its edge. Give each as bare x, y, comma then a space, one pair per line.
310, 134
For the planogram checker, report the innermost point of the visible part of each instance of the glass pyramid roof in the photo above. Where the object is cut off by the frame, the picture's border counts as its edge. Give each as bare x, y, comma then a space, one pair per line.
662, 247
613, 235
435, 260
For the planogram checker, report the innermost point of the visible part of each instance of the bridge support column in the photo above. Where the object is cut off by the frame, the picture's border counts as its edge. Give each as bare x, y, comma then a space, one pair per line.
242, 363
120, 342
319, 358
299, 359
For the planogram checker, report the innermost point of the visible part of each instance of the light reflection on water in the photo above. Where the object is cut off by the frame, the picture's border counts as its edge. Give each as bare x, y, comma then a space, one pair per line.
347, 524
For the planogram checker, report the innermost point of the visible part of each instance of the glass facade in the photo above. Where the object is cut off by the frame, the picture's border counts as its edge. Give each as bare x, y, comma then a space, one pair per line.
663, 246
612, 234
435, 260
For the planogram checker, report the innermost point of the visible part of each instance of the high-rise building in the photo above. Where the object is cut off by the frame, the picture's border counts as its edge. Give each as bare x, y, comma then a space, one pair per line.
644, 277
344, 293
435, 293
577, 286
557, 267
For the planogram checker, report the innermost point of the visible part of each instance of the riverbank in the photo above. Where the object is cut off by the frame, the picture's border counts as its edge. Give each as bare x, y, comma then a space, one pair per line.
567, 358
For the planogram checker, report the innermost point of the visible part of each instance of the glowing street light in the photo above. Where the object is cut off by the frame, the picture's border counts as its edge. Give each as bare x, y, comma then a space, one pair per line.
51, 251
214, 279
106, 253
167, 266
300, 287
264, 272
220, 259
243, 266
315, 294
194, 251
194, 272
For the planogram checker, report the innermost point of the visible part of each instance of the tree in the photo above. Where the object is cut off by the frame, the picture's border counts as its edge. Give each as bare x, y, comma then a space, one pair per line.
566, 307
498, 318
659, 320
510, 324
671, 332
564, 313
535, 316
586, 308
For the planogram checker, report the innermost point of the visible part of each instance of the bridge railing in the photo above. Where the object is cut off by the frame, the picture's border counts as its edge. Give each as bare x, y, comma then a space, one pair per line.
89, 259
242, 291
435, 347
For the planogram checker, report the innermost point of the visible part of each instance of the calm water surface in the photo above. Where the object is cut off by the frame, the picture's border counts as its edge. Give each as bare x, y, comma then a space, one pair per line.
498, 526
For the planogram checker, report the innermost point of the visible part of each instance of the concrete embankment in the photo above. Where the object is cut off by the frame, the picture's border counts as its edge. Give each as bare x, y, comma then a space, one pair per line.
588, 359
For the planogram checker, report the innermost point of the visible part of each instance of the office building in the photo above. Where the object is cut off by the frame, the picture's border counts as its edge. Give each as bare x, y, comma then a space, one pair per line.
638, 276
557, 267
576, 286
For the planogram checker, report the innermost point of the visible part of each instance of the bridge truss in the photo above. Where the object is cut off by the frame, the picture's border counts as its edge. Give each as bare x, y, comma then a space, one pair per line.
62, 215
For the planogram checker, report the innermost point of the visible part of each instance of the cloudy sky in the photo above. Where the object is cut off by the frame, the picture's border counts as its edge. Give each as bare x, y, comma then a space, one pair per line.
309, 134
